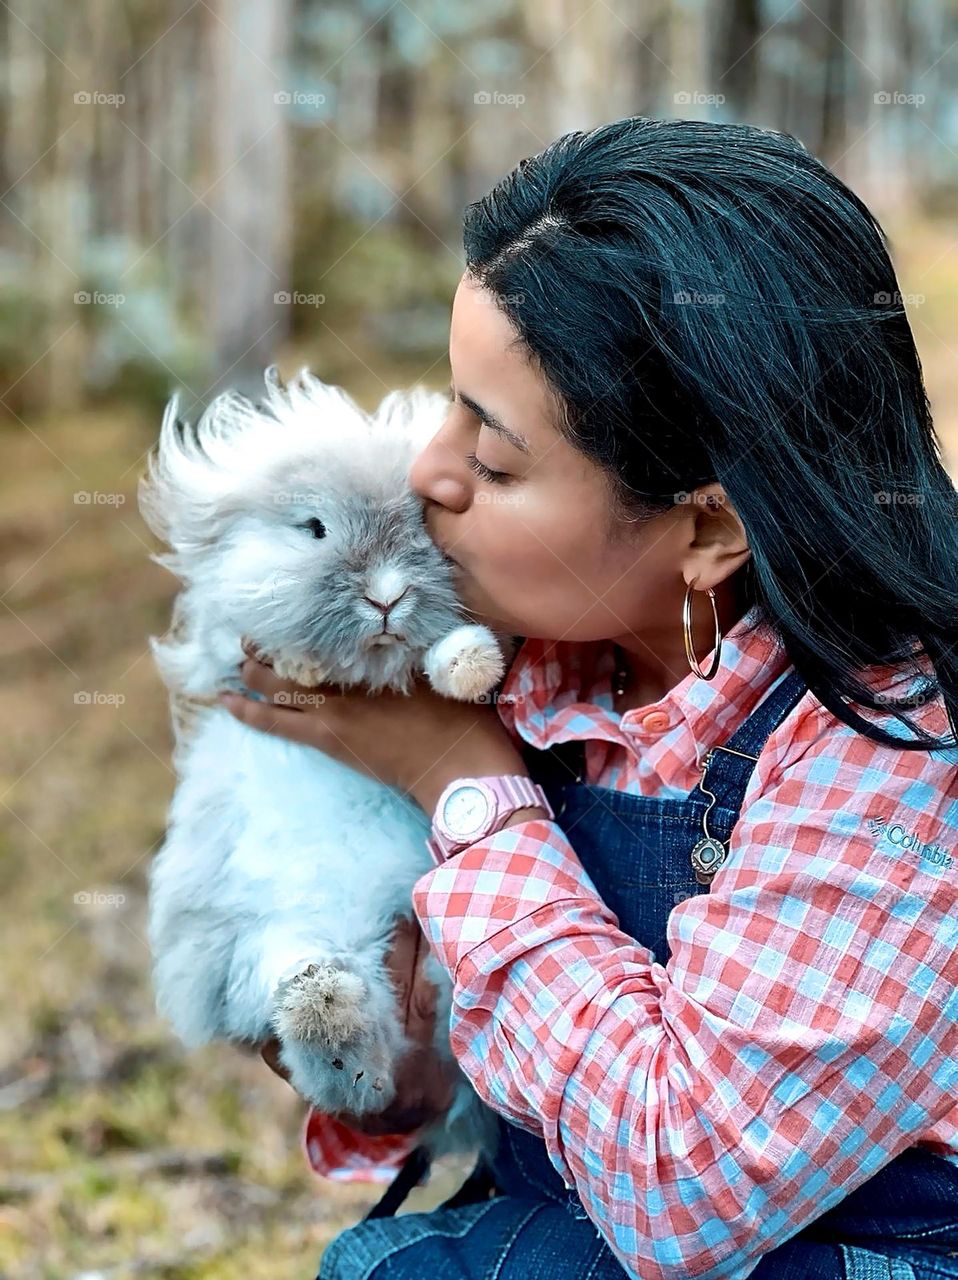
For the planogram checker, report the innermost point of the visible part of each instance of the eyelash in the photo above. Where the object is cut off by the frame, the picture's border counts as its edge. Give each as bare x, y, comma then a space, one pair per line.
480, 468
486, 473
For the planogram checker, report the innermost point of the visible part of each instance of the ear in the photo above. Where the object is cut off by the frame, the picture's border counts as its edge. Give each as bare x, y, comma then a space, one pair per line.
306, 405
717, 541
188, 491
415, 414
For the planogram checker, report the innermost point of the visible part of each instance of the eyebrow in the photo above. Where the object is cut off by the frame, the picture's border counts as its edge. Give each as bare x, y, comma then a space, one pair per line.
492, 422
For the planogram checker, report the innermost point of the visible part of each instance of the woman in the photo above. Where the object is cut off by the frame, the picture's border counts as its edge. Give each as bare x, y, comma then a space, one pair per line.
706, 974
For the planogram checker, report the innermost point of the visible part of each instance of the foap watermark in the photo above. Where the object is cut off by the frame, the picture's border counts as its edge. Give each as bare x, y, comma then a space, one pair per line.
97, 898
489, 298
298, 98
295, 298
897, 299
496, 499
94, 698
97, 298
695, 298
299, 499
298, 698
492, 97
693, 98
711, 501
293, 899
899, 498
496, 696
94, 498
927, 691
895, 98
96, 98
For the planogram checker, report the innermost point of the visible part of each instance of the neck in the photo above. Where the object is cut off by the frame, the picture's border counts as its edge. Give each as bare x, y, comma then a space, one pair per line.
655, 657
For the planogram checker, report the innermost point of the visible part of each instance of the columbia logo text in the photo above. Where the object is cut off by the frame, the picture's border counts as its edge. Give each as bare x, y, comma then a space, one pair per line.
895, 833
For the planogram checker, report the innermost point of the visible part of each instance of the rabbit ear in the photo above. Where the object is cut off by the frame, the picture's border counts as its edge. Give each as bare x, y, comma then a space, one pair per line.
184, 496
308, 404
197, 476
415, 413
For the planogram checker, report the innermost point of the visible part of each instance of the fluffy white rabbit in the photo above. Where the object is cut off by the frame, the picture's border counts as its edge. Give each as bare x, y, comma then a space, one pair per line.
283, 872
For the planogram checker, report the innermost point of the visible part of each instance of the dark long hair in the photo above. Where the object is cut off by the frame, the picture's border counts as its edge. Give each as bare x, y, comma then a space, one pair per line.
710, 302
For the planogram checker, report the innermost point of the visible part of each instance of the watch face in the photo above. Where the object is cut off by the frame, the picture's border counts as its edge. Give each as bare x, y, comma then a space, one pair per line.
465, 810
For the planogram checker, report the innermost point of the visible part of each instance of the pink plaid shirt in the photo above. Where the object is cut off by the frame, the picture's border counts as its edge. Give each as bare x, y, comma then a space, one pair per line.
805, 1028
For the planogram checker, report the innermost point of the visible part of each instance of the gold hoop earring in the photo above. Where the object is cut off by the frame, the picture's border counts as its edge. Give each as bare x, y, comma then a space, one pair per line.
687, 634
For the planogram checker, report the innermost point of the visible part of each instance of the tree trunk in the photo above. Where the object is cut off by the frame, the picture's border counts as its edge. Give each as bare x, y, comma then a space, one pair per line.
249, 200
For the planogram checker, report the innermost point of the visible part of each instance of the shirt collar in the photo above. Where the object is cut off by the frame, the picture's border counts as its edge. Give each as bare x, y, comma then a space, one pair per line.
556, 690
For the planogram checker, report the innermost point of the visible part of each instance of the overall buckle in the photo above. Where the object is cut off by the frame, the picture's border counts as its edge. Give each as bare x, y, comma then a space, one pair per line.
709, 853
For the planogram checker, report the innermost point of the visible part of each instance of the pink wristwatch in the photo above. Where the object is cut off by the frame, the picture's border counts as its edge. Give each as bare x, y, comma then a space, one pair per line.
470, 808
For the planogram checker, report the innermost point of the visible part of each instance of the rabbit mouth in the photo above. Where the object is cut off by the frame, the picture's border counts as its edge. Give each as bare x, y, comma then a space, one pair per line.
385, 637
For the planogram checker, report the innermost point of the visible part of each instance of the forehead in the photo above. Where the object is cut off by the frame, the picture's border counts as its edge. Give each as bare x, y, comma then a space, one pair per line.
492, 367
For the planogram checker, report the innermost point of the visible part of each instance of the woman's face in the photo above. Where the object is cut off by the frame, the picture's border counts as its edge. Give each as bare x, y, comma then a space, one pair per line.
539, 553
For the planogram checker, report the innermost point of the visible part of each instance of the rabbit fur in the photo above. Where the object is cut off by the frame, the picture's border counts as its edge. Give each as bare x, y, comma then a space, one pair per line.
283, 872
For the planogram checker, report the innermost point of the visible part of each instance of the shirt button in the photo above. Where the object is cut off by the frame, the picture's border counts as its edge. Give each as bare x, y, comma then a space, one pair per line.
655, 721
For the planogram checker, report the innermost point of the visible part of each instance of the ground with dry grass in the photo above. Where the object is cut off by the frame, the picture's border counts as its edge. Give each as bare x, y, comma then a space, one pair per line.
119, 1154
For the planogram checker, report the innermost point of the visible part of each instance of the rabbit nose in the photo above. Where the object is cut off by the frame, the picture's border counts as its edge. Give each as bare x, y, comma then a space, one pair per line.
383, 606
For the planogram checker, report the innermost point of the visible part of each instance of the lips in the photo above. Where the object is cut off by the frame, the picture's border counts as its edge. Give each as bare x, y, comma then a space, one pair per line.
444, 553
439, 547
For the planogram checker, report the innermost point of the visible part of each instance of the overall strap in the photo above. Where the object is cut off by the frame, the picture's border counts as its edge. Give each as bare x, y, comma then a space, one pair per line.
731, 763
727, 768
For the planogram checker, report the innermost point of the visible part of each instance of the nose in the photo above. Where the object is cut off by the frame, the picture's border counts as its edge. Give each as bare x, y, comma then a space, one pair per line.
439, 475
385, 605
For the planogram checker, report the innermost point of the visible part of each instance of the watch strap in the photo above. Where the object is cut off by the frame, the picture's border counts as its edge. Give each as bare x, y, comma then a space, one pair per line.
511, 791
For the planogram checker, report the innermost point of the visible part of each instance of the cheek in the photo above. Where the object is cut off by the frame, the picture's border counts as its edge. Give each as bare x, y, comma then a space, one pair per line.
530, 545
257, 555
500, 538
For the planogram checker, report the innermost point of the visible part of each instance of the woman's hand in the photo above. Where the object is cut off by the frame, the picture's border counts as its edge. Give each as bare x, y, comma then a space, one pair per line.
417, 742
424, 1081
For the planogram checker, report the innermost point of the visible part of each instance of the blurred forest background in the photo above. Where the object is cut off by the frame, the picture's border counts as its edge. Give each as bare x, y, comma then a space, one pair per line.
191, 190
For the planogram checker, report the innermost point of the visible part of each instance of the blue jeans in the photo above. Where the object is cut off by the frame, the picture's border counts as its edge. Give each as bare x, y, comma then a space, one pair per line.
511, 1239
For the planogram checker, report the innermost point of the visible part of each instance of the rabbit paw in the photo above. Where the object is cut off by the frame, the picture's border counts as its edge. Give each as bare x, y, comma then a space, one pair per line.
339, 1053
322, 1004
465, 664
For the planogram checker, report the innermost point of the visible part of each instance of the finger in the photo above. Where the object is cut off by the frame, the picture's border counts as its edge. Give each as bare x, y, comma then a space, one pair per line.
259, 678
269, 1052
283, 722
251, 650
401, 963
422, 1005
421, 1015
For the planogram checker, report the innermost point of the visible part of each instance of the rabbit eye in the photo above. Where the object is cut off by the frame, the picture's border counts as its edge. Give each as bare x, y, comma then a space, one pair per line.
315, 527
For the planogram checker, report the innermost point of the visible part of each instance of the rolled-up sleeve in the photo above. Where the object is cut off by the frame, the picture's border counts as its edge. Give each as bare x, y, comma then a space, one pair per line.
802, 1034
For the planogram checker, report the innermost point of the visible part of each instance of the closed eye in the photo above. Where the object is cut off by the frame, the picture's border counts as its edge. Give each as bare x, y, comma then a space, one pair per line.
486, 473
480, 468
315, 527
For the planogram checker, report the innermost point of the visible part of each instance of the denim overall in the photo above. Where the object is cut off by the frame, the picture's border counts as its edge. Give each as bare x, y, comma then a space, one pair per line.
902, 1224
